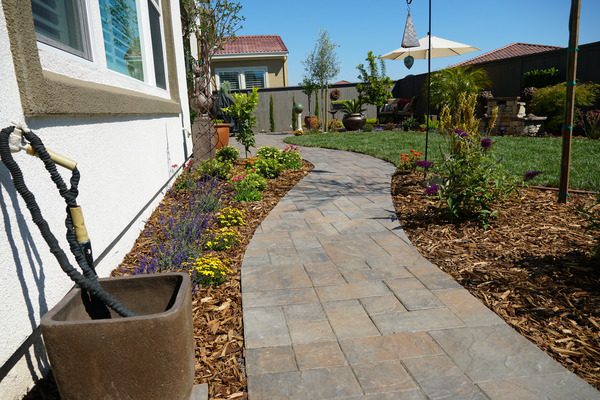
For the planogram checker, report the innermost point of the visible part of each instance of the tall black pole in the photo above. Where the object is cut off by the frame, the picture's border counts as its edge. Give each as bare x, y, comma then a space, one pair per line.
567, 130
428, 84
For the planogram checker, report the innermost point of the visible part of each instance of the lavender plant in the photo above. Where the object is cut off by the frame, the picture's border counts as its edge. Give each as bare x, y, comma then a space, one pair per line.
181, 230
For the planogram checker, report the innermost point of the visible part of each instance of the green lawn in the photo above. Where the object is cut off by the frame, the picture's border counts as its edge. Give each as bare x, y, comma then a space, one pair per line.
518, 154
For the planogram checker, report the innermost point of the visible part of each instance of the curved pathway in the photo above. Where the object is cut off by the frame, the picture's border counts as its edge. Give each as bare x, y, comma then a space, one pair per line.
339, 305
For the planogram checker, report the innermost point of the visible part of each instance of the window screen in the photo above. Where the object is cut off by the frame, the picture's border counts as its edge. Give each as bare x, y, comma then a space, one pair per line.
122, 37
61, 23
254, 79
232, 77
157, 47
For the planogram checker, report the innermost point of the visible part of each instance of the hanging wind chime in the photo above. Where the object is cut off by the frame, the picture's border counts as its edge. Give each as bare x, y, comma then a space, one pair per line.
409, 39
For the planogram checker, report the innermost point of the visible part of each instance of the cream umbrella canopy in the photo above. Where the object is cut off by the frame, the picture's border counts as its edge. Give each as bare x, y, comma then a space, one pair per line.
439, 48
429, 47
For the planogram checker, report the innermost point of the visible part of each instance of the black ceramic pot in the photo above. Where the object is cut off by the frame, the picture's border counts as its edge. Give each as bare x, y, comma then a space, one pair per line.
354, 122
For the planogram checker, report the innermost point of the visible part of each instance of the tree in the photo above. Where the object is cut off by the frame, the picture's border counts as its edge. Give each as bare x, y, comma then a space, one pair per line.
322, 66
449, 83
242, 109
375, 85
309, 86
214, 23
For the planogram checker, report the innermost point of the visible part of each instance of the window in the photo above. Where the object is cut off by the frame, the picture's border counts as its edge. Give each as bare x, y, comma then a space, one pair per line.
243, 78
62, 24
230, 76
122, 37
157, 47
255, 78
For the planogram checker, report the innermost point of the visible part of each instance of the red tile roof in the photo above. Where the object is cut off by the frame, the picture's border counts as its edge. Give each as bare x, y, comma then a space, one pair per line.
253, 44
508, 51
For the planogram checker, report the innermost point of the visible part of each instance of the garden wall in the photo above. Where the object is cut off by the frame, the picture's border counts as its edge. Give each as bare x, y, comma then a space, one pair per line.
507, 75
283, 100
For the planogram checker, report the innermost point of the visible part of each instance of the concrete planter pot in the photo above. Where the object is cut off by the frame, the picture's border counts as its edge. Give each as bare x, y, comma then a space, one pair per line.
222, 135
354, 122
150, 356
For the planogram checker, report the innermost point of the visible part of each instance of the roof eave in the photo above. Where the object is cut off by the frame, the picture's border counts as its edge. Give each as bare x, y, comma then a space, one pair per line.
279, 54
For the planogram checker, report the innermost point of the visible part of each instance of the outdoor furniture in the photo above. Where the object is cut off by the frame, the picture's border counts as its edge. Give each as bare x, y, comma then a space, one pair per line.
397, 110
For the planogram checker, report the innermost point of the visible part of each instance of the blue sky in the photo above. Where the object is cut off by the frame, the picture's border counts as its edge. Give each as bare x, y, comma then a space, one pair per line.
360, 26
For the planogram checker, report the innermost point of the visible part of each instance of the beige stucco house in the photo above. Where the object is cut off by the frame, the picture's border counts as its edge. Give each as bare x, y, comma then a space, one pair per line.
252, 61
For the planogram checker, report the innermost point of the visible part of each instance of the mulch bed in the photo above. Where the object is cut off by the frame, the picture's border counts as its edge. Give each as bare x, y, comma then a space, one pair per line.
533, 266
217, 311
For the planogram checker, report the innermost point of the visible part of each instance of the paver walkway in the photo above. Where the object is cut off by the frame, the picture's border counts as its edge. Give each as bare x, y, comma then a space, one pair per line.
339, 305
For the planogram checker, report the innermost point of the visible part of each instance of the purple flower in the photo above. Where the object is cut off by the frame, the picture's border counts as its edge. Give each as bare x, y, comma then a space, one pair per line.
425, 164
529, 175
432, 190
486, 143
460, 133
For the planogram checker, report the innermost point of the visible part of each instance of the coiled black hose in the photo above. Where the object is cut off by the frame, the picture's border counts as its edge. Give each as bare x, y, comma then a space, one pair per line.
88, 280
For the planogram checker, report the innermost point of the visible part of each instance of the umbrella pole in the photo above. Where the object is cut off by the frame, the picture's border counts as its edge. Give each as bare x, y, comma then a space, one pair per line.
428, 86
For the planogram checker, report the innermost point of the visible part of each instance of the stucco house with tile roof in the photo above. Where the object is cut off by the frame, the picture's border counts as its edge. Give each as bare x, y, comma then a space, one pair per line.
252, 61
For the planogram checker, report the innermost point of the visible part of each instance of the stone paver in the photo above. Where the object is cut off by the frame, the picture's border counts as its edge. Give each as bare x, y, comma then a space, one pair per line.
339, 305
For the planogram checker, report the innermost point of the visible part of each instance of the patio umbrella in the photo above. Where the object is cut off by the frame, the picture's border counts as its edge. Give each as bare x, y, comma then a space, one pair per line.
429, 47
439, 48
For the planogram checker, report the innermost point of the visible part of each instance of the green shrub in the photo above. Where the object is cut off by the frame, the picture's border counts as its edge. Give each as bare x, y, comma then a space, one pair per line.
227, 154
290, 158
372, 121
550, 102
214, 168
268, 167
268, 153
447, 84
590, 123
539, 78
248, 186
472, 179
410, 123
367, 128
390, 126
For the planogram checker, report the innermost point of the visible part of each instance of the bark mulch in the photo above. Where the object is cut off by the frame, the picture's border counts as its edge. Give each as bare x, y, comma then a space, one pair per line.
217, 311
533, 266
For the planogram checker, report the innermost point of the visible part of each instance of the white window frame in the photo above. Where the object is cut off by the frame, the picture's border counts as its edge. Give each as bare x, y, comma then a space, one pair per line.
95, 68
241, 71
84, 32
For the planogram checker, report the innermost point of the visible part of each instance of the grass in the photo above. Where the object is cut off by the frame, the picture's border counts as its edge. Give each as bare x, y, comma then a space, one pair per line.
517, 154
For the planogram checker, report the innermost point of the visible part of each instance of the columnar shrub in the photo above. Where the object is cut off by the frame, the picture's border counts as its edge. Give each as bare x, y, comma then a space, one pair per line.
271, 114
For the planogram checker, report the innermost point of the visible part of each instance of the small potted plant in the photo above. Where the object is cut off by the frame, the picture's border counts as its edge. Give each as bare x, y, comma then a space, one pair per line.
353, 118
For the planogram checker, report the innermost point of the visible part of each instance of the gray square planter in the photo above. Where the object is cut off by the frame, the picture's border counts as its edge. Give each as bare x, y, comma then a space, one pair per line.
149, 357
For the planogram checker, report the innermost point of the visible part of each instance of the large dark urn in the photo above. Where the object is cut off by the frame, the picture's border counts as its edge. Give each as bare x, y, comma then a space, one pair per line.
353, 122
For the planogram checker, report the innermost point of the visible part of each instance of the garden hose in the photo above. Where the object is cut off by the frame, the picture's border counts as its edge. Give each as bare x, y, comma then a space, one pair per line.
76, 235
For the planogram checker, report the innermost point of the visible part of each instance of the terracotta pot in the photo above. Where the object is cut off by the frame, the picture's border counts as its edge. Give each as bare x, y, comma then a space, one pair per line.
354, 122
96, 354
222, 135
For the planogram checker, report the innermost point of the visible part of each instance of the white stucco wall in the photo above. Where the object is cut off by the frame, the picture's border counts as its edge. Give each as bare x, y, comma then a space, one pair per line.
123, 162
